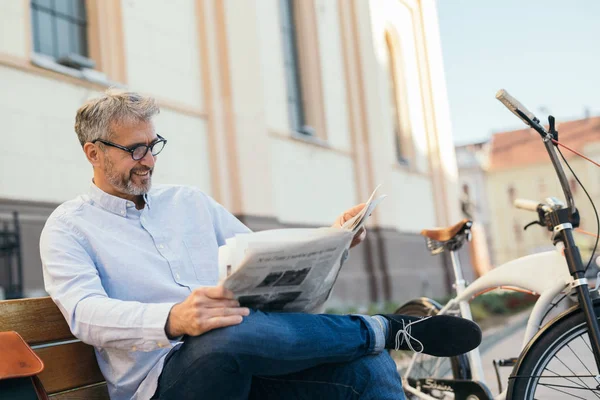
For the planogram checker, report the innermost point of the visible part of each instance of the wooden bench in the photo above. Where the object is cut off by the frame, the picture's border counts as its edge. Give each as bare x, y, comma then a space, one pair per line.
71, 371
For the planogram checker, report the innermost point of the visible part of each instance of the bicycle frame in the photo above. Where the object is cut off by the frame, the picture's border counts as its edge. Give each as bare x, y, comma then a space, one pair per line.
543, 273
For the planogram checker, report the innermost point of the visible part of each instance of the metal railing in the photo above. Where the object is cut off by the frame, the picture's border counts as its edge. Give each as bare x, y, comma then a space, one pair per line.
11, 263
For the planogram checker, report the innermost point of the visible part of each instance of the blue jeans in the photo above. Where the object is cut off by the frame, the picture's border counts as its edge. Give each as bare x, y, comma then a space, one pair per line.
282, 356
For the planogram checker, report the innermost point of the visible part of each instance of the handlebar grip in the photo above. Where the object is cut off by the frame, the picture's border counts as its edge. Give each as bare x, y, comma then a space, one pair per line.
513, 105
525, 204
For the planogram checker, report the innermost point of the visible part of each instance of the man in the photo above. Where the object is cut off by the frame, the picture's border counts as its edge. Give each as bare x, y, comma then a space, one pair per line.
134, 272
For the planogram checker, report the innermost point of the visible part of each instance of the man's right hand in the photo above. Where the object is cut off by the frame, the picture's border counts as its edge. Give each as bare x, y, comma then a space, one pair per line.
207, 308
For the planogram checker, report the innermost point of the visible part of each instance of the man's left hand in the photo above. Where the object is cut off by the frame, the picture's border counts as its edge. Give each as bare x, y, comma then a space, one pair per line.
348, 214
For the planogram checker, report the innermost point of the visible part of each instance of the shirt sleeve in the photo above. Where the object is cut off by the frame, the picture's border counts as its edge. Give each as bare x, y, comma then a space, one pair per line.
72, 280
226, 225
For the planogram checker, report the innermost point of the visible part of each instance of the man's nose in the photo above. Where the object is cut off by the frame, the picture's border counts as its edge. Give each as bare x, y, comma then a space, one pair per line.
148, 160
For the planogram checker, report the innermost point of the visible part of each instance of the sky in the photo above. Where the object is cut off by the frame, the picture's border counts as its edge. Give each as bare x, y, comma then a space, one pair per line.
545, 53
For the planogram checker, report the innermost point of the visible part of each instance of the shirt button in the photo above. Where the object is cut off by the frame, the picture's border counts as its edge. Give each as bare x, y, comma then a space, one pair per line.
177, 276
160, 246
122, 212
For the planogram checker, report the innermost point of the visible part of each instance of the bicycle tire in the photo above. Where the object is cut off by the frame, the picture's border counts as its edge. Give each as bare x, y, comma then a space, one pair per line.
458, 366
558, 363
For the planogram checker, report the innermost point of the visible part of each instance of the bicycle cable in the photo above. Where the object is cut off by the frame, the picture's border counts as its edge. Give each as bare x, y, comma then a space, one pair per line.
588, 196
553, 305
556, 142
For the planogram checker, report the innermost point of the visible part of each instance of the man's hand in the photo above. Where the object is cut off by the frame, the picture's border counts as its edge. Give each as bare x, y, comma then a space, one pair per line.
207, 308
348, 214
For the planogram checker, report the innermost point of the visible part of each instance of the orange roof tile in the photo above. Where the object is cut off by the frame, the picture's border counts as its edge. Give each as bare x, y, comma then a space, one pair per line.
525, 147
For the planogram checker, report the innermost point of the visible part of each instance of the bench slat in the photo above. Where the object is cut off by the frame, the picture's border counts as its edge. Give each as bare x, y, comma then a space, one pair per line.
68, 366
37, 320
99, 392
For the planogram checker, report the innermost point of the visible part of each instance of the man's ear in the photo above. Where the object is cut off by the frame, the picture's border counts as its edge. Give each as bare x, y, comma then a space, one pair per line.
92, 153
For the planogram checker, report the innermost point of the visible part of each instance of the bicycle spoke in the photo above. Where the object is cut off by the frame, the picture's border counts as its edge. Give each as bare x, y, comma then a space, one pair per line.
438, 364
421, 367
447, 371
575, 354
425, 367
581, 362
553, 385
561, 376
441, 362
573, 372
586, 342
429, 366
562, 391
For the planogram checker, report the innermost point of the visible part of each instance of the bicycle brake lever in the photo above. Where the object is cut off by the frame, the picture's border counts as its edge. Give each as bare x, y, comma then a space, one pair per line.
532, 223
552, 128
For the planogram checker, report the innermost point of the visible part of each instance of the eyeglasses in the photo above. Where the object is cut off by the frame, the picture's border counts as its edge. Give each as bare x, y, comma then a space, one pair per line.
139, 150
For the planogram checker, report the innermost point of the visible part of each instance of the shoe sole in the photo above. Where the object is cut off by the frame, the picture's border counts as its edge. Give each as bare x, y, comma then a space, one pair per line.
441, 335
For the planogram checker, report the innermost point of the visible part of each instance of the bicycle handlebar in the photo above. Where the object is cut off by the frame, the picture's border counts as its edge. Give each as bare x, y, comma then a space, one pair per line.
513, 105
526, 116
529, 205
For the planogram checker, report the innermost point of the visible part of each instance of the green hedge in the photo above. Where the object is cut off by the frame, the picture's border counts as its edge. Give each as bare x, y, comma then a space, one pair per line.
495, 303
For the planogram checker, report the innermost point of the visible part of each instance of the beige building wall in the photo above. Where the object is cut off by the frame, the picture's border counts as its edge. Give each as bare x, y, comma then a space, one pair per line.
14, 40
537, 182
162, 50
217, 70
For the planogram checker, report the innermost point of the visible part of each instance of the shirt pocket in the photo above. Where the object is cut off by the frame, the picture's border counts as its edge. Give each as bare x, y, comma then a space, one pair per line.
202, 254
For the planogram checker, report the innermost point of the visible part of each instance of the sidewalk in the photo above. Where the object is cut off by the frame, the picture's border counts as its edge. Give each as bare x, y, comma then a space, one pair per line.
501, 342
495, 334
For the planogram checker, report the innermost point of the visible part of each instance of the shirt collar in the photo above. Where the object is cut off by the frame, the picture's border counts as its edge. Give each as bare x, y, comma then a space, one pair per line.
113, 204
147, 200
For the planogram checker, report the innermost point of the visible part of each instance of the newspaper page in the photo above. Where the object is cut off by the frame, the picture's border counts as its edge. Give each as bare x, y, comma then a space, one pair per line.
292, 277
288, 269
354, 224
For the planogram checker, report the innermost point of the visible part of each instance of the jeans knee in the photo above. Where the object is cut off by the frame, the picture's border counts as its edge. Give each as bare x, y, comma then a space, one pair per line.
379, 367
220, 341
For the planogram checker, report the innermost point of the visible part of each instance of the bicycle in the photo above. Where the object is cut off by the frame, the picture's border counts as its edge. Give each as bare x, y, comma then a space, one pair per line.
560, 358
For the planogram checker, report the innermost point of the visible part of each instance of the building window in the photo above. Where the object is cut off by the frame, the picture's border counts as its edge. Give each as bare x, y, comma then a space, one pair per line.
512, 194
573, 185
542, 187
292, 67
402, 139
518, 232
302, 65
60, 31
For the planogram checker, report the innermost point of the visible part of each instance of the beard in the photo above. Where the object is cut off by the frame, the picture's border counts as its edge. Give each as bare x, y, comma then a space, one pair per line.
124, 181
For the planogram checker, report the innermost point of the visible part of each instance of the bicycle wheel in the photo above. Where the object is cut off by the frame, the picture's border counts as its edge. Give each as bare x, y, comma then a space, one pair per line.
425, 366
559, 364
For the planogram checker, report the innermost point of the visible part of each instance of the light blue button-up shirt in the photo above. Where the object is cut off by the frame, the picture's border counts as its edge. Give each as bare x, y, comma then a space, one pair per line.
115, 272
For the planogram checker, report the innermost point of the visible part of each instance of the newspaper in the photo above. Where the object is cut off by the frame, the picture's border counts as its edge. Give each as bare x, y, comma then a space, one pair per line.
288, 269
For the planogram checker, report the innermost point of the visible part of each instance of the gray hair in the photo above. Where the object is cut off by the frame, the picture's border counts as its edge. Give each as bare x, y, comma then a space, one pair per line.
96, 117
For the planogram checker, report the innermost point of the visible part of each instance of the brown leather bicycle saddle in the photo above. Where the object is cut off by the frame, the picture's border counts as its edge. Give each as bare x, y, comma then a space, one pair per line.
445, 234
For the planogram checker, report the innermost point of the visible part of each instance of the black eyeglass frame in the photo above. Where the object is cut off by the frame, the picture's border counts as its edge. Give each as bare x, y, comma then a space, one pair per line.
131, 150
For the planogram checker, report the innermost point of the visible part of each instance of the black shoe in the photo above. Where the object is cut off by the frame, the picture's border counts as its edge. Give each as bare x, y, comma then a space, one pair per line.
439, 335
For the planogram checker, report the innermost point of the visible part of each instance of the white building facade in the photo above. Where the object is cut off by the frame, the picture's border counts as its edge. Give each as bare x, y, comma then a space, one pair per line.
286, 112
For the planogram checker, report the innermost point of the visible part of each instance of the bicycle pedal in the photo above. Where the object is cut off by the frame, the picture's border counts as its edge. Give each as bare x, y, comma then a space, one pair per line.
507, 362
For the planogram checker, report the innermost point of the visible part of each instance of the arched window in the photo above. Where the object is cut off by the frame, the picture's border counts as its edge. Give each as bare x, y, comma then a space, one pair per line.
401, 137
